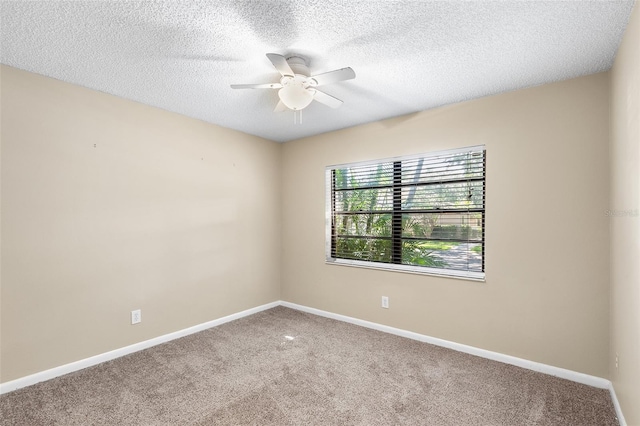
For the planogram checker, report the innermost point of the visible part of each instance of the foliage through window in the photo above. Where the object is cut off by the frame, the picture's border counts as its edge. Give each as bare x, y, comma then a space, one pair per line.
420, 213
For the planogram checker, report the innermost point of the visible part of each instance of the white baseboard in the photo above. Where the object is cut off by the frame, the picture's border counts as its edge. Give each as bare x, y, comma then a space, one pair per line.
616, 405
107, 356
563, 373
496, 356
586, 379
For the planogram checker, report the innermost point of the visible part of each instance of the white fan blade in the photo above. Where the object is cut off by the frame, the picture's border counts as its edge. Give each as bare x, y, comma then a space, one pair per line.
334, 76
280, 62
257, 86
328, 100
280, 107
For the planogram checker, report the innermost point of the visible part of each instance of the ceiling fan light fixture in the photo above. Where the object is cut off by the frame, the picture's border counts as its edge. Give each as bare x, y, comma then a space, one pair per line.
297, 88
295, 96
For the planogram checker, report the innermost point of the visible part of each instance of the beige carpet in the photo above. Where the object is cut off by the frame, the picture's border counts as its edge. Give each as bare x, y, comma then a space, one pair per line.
284, 367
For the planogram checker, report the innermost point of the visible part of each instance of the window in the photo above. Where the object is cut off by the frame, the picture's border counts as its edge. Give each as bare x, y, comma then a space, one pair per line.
418, 214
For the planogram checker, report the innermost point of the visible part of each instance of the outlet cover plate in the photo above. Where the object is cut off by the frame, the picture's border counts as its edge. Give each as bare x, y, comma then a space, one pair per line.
136, 316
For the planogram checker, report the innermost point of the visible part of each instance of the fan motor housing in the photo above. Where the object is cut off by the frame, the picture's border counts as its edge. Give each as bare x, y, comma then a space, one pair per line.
298, 65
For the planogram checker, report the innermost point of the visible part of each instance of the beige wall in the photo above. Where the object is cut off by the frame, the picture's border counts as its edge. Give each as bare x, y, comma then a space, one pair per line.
547, 245
184, 219
109, 206
625, 230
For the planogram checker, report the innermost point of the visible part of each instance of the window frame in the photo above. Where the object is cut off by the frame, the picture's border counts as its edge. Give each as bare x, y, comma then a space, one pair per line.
395, 267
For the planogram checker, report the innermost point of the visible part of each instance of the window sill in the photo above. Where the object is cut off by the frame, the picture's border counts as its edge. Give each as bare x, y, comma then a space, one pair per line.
408, 269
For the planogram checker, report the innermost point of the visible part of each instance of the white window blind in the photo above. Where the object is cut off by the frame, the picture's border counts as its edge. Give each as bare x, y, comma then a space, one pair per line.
420, 213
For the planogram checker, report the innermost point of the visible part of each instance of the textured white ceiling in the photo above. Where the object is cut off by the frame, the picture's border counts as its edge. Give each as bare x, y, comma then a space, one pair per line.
408, 55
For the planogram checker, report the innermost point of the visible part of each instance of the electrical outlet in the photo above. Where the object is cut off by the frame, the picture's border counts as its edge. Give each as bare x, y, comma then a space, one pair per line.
136, 316
616, 361
385, 302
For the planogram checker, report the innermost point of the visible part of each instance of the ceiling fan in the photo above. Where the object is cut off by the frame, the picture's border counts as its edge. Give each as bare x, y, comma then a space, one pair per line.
297, 88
